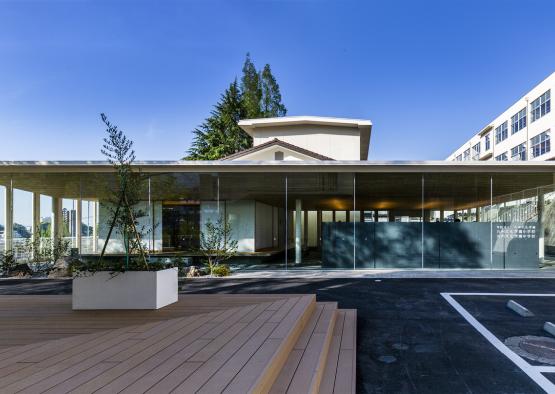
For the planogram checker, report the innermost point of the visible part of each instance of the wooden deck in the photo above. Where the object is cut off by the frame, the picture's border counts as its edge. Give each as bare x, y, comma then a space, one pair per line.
202, 344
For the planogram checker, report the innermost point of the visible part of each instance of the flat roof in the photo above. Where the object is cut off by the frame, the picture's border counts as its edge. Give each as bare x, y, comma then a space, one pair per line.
249, 124
7, 167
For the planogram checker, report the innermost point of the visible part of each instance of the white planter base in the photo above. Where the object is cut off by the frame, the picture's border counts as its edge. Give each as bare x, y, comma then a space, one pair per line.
128, 290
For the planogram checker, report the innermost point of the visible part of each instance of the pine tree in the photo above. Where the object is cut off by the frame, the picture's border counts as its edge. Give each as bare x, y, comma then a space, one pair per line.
220, 134
270, 102
250, 89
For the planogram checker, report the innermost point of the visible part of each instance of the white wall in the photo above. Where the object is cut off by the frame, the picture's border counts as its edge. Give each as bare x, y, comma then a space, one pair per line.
269, 154
339, 143
240, 215
522, 136
115, 244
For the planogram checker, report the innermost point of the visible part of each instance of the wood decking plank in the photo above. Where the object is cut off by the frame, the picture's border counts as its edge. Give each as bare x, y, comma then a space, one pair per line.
328, 380
303, 374
203, 343
340, 370
218, 359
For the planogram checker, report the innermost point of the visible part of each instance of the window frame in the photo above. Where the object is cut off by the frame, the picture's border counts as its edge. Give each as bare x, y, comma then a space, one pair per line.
502, 132
518, 153
518, 121
502, 157
540, 106
540, 144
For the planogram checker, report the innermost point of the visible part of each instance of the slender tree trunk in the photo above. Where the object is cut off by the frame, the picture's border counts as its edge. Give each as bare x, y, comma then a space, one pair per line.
110, 231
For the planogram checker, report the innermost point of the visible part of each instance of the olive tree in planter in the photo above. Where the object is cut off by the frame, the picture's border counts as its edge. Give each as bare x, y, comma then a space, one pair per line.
130, 282
217, 246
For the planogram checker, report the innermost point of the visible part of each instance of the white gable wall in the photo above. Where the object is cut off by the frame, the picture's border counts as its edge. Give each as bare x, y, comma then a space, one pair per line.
269, 154
336, 142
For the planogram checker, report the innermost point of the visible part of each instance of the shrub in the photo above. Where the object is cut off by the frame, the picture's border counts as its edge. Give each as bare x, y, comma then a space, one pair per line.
7, 262
221, 270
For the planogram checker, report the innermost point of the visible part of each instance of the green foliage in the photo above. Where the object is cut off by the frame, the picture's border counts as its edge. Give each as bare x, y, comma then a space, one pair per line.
221, 270
122, 204
250, 89
270, 99
216, 243
7, 262
46, 250
257, 96
220, 134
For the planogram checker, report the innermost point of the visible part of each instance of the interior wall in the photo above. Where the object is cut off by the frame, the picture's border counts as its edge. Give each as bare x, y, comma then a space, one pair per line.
263, 226
115, 244
240, 215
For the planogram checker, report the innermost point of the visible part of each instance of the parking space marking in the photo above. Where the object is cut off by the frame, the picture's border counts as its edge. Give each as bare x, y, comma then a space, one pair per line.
534, 372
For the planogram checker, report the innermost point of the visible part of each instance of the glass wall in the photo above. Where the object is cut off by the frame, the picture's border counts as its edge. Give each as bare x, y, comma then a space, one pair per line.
457, 229
320, 219
301, 220
394, 237
2, 217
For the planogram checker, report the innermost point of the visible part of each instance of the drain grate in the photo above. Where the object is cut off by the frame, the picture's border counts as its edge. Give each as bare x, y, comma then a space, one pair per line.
540, 349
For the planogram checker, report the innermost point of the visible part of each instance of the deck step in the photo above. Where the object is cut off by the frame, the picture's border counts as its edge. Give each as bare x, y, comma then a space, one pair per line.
340, 370
286, 344
303, 370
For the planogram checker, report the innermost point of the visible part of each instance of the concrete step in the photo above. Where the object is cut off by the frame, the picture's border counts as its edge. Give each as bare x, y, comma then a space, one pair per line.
303, 371
340, 370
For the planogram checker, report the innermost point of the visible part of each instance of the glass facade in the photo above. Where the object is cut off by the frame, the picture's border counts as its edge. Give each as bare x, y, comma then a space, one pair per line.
299, 220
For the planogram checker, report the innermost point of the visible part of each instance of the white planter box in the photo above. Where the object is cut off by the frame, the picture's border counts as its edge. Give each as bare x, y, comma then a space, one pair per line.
128, 290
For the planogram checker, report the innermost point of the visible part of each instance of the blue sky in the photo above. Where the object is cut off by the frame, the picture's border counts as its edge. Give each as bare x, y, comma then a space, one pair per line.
428, 74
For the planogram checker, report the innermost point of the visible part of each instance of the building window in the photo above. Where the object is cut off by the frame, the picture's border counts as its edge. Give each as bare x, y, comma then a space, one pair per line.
501, 132
466, 155
488, 141
502, 157
541, 106
518, 121
476, 152
540, 144
519, 152
278, 156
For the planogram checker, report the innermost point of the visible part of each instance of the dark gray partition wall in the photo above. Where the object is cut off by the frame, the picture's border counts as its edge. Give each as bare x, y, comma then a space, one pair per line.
321, 220
445, 220
393, 239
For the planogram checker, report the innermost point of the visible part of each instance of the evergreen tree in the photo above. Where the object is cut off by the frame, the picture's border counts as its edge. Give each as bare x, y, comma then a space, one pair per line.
270, 102
250, 89
220, 135
257, 96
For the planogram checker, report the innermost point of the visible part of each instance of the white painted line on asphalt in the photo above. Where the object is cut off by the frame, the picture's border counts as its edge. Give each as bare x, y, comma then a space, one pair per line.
549, 327
519, 309
505, 294
534, 372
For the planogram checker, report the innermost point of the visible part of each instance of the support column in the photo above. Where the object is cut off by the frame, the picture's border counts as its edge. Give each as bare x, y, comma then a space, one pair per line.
541, 240
298, 231
319, 228
478, 209
455, 215
78, 221
35, 228
56, 218
375, 215
442, 215
94, 226
8, 215
305, 232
